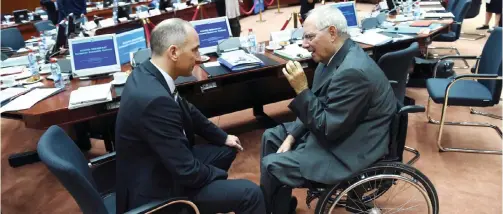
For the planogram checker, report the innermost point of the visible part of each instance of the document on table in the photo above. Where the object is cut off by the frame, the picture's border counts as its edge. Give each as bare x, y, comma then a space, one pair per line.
10, 93
29, 99
90, 95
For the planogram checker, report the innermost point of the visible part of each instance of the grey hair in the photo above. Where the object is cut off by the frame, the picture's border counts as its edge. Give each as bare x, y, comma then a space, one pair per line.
168, 32
328, 15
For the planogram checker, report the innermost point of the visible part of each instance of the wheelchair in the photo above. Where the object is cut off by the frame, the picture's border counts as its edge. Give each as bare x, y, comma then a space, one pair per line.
383, 187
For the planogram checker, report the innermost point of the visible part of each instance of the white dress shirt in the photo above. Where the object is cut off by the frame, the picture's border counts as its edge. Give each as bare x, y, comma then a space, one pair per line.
169, 80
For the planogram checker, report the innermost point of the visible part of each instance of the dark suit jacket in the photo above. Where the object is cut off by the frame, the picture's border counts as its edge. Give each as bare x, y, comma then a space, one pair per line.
154, 158
345, 116
50, 8
65, 7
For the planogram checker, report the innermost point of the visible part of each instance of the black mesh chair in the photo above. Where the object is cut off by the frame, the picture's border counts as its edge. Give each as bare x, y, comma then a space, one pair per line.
472, 13
460, 10
481, 89
12, 39
396, 66
65, 160
44, 26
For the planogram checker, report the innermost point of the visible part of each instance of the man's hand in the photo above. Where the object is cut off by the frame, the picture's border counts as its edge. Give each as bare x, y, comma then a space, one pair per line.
296, 76
233, 141
287, 144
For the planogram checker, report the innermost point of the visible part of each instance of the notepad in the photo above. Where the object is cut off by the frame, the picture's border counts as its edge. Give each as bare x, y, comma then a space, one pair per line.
29, 99
90, 94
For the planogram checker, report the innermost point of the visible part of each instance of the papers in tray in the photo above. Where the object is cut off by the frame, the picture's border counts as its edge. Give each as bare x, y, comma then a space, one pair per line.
29, 99
293, 52
14, 61
372, 38
9, 93
239, 60
90, 95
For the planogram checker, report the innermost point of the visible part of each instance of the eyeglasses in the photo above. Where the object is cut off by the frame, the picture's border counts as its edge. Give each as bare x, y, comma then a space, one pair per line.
309, 37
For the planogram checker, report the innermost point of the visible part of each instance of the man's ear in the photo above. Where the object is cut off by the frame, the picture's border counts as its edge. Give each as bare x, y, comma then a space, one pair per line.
173, 52
333, 32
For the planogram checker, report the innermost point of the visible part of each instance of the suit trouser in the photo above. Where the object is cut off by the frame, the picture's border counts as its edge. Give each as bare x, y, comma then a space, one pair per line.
222, 196
278, 170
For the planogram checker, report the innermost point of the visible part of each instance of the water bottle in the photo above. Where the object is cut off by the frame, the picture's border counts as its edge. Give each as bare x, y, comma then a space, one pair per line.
252, 41
42, 46
33, 65
417, 11
115, 11
56, 74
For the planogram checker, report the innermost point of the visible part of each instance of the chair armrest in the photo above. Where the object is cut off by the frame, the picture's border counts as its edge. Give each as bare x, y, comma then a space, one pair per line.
102, 159
453, 57
476, 76
392, 82
411, 109
159, 205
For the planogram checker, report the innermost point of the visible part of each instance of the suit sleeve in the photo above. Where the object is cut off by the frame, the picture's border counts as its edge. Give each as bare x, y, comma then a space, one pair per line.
162, 127
205, 128
348, 96
299, 130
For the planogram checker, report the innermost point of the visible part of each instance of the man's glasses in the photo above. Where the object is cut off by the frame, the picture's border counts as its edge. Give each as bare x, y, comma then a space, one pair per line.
310, 36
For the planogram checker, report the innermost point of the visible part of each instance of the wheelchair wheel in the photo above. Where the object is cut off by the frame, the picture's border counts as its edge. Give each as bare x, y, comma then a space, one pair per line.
382, 188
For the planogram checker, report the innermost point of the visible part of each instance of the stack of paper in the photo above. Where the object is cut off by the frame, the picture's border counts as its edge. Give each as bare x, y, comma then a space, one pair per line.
9, 93
239, 60
438, 15
90, 95
29, 99
372, 38
15, 61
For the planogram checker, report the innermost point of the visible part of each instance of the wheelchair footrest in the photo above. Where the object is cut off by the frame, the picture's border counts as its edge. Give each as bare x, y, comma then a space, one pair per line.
311, 195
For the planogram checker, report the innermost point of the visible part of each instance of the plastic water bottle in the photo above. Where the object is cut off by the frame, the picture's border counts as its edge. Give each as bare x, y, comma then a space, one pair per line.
115, 11
408, 8
252, 41
56, 74
42, 46
33, 65
417, 11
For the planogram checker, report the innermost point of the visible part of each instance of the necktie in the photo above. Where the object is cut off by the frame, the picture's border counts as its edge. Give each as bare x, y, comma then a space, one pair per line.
175, 95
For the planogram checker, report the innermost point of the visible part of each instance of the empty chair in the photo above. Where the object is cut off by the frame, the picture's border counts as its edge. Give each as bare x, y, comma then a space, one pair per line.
472, 13
65, 160
12, 38
460, 10
481, 89
44, 26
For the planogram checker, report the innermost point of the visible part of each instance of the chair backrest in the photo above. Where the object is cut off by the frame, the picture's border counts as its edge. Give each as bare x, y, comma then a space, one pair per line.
44, 25
141, 56
12, 38
474, 9
490, 63
396, 66
451, 4
65, 160
460, 10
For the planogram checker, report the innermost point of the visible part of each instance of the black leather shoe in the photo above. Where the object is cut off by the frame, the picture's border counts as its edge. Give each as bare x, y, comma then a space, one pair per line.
484, 27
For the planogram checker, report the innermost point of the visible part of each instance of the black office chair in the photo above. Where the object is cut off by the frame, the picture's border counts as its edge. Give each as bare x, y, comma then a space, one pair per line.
369, 191
396, 66
44, 26
472, 13
12, 39
460, 10
481, 89
65, 160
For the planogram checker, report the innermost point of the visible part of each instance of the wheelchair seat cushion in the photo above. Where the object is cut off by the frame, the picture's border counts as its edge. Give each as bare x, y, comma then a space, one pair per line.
462, 92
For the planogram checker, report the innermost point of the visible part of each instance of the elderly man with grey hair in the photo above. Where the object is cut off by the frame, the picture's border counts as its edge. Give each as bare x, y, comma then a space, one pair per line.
343, 120
156, 154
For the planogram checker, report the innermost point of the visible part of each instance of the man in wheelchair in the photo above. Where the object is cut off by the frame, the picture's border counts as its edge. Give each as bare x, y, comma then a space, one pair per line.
343, 120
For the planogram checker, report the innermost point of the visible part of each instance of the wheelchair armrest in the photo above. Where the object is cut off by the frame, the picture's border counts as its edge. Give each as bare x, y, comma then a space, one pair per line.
159, 205
411, 109
102, 159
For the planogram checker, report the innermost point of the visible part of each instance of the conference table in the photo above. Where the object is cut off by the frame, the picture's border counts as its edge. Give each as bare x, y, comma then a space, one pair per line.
213, 96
